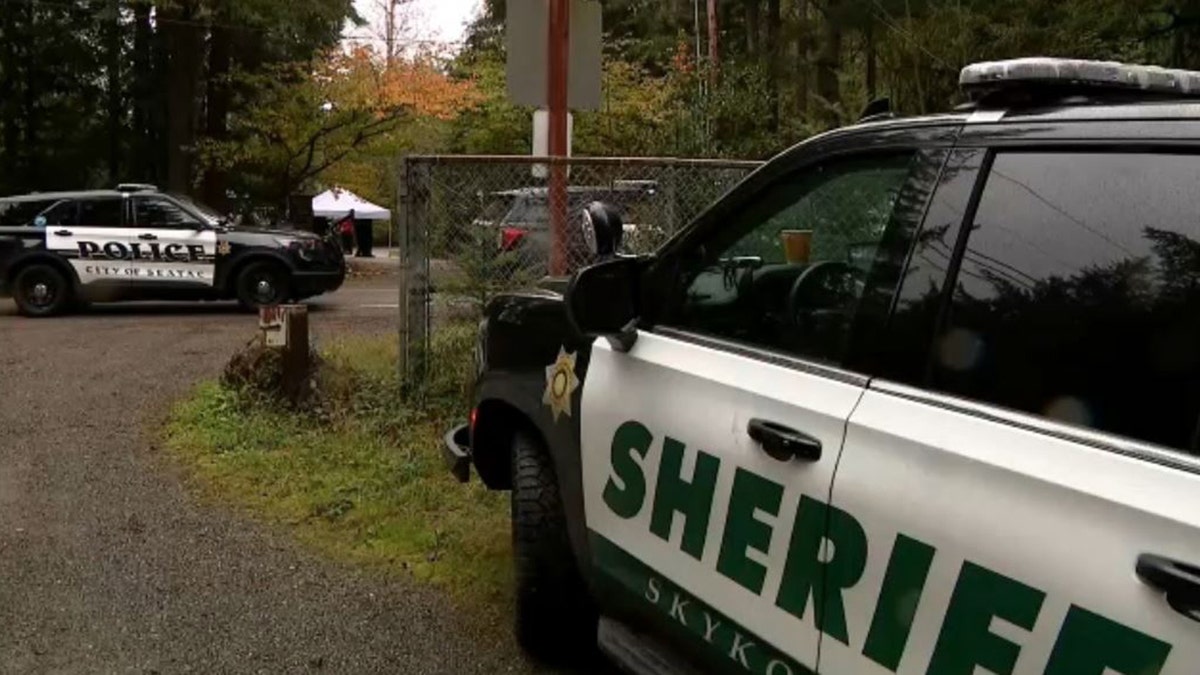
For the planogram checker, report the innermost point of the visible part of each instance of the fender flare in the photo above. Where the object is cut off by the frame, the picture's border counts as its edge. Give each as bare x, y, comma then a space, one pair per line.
41, 257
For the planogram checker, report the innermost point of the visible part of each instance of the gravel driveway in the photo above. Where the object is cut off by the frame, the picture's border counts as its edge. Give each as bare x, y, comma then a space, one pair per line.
109, 565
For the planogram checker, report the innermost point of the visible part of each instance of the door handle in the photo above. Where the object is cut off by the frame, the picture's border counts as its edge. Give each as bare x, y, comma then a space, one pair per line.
63, 233
1179, 582
147, 237
784, 444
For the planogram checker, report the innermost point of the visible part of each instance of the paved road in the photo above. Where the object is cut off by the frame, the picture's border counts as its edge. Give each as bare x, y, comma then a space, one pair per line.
108, 565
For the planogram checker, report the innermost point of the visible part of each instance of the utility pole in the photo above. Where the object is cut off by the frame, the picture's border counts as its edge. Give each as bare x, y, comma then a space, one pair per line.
558, 48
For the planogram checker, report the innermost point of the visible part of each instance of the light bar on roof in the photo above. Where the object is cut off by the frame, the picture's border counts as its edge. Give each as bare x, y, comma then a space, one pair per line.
1079, 74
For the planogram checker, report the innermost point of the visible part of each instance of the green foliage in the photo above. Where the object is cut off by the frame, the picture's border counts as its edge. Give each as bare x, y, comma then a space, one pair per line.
366, 484
495, 126
790, 68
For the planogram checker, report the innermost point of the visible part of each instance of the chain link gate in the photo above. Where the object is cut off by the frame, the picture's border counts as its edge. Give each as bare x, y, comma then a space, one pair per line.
474, 226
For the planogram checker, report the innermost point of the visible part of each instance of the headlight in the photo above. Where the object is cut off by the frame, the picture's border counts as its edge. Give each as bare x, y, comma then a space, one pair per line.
305, 248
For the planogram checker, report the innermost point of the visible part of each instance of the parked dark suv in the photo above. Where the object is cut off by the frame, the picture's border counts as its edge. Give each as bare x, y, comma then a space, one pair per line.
919, 396
520, 218
136, 243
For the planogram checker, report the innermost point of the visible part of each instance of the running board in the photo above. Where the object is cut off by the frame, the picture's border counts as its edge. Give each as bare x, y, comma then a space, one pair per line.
638, 653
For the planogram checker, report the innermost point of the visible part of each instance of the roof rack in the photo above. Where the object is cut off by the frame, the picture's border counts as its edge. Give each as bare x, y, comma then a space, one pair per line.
137, 187
1040, 76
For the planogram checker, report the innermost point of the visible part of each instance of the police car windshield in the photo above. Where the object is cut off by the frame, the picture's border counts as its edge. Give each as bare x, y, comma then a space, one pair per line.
210, 214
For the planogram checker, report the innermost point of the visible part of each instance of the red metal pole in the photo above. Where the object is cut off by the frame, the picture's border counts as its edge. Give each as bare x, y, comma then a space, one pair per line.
558, 53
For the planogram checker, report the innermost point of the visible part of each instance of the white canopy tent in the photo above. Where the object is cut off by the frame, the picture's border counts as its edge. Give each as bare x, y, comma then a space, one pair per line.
337, 203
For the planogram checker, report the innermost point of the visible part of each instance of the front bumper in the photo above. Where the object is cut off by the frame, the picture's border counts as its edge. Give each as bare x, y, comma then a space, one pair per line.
456, 450
308, 283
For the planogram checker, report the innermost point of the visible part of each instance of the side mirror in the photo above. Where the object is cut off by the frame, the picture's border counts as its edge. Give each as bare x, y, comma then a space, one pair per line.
602, 229
603, 301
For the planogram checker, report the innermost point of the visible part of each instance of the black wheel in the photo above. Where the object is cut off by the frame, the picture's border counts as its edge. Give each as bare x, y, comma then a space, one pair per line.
42, 290
556, 619
262, 284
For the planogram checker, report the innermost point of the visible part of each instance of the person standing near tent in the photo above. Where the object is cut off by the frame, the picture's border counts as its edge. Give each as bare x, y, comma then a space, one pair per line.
345, 230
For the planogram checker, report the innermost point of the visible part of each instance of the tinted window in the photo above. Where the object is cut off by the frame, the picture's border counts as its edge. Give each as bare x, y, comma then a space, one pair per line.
1079, 295
100, 213
22, 213
900, 350
156, 212
789, 271
62, 213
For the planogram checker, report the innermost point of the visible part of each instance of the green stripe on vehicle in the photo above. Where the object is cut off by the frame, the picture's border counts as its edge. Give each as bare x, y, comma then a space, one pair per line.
728, 646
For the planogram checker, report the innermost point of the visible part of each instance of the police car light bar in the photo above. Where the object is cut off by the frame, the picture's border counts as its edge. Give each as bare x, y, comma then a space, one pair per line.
1075, 74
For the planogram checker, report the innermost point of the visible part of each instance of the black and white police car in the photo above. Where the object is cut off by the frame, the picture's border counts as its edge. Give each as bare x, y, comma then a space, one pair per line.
919, 396
60, 249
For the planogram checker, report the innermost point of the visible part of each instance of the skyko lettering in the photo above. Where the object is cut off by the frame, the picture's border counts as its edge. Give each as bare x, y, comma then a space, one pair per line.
816, 575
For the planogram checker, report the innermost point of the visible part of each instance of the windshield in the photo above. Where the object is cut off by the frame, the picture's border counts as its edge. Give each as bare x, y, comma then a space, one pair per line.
211, 215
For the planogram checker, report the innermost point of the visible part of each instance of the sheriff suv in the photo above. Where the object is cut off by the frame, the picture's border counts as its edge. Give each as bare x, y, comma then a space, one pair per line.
919, 396
60, 249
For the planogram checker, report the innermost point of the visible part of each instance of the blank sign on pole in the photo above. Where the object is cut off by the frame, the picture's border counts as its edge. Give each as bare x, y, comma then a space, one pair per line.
541, 139
525, 38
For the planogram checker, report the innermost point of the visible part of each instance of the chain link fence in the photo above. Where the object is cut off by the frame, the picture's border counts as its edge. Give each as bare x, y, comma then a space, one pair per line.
475, 226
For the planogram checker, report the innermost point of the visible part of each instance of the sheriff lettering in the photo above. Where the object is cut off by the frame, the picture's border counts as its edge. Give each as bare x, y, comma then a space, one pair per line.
826, 554
115, 250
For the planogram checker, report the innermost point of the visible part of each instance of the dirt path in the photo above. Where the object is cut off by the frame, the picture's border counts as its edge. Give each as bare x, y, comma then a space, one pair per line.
109, 565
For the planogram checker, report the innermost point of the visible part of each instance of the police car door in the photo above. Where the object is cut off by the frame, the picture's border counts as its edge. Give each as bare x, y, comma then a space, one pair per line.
1025, 495
709, 448
89, 233
172, 245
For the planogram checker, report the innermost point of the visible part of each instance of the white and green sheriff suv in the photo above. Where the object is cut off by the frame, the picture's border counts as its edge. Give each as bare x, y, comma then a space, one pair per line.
919, 396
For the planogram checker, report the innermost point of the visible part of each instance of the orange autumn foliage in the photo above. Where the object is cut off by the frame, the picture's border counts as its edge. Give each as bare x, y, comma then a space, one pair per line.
361, 78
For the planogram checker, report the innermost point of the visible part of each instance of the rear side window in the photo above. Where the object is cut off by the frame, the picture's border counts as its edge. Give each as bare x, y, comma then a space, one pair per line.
100, 212
1079, 294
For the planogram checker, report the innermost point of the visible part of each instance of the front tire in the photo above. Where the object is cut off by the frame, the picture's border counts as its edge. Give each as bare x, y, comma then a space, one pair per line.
262, 284
555, 617
42, 290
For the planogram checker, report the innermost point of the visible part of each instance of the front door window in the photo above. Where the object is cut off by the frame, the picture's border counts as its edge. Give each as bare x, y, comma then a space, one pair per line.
789, 273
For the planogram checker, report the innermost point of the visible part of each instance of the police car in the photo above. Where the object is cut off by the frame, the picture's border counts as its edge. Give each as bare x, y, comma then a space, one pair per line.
919, 396
135, 243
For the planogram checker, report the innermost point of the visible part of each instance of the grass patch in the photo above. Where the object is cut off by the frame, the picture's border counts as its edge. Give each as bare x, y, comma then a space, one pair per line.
364, 481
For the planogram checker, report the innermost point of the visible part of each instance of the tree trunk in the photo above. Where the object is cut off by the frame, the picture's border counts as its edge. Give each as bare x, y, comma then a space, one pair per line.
828, 62
184, 46
144, 166
31, 169
218, 101
714, 40
869, 35
9, 68
112, 48
802, 56
774, 22
159, 105
753, 27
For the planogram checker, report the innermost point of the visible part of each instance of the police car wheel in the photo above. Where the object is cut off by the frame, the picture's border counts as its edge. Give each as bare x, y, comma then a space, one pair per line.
555, 617
41, 290
262, 284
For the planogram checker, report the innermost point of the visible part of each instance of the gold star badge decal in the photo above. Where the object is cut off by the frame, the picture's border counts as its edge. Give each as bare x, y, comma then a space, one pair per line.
560, 384
223, 248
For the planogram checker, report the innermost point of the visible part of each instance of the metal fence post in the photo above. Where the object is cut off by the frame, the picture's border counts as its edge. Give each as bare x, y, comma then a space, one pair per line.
414, 276
402, 221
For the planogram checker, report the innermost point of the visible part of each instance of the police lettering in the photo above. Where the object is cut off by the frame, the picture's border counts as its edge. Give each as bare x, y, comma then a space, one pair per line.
115, 250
